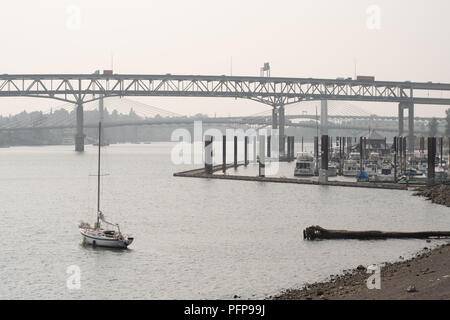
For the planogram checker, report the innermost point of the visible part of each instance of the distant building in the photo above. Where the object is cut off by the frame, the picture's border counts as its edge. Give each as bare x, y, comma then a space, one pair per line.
375, 142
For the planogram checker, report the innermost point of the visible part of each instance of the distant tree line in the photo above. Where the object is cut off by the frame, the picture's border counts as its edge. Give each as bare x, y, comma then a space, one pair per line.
129, 133
433, 126
63, 117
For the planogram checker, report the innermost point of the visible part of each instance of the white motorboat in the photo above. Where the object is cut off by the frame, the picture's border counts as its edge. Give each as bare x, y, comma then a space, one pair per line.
104, 233
352, 166
332, 169
386, 175
441, 174
305, 165
372, 168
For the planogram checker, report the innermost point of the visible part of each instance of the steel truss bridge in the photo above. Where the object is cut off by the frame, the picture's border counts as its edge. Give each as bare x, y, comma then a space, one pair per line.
82, 88
274, 91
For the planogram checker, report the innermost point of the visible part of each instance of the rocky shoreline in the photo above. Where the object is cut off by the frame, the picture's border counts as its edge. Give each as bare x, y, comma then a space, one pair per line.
438, 194
425, 276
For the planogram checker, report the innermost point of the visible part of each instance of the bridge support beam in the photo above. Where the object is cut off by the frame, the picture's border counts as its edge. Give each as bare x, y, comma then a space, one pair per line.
288, 153
235, 146
316, 155
224, 154
323, 117
401, 123
281, 130
431, 143
411, 138
79, 136
262, 156
274, 118
245, 151
209, 155
323, 171
254, 149
401, 120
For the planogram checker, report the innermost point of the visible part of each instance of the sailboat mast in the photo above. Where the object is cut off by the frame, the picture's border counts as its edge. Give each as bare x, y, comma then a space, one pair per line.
98, 175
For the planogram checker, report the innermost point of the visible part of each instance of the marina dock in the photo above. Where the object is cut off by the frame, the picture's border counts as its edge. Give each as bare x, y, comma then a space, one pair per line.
200, 173
380, 162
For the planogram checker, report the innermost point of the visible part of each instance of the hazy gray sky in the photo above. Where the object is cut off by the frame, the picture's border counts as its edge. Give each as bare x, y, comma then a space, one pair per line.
321, 38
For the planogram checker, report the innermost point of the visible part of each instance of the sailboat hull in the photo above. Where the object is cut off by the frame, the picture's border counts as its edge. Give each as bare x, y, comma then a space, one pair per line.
100, 241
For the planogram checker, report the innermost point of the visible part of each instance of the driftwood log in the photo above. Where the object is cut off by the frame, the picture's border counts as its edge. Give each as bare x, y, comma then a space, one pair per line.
317, 232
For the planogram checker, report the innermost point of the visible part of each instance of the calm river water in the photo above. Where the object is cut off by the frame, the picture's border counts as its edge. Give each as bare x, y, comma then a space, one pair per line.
194, 238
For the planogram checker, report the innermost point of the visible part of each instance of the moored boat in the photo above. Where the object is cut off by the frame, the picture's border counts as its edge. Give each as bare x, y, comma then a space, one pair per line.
351, 168
305, 165
332, 169
110, 236
352, 165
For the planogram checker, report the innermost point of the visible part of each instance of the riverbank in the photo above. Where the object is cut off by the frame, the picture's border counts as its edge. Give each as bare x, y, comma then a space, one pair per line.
437, 194
426, 276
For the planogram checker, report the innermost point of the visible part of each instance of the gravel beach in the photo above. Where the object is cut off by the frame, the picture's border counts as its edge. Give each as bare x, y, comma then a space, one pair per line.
426, 276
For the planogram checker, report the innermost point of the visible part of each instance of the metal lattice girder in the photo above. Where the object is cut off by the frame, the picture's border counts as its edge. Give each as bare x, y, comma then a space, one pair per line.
79, 88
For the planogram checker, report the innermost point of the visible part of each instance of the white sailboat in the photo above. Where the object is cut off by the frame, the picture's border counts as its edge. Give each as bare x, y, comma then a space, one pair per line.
109, 235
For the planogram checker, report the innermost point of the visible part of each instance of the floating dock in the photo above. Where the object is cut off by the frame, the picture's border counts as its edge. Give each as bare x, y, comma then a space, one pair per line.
200, 173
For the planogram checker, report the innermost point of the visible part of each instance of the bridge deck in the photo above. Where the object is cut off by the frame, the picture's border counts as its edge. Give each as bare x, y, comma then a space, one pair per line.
275, 91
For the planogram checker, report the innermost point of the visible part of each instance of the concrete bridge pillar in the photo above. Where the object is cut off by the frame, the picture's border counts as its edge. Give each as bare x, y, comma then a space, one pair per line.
401, 122
208, 154
323, 171
323, 117
281, 129
411, 138
274, 118
400, 119
79, 136
431, 143
262, 156
235, 146
254, 149
224, 154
